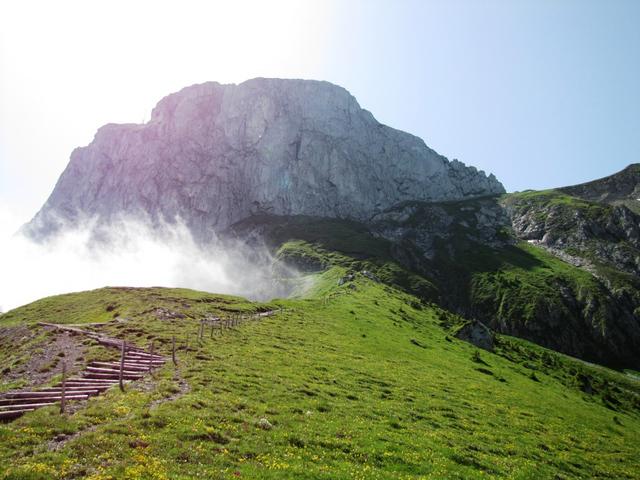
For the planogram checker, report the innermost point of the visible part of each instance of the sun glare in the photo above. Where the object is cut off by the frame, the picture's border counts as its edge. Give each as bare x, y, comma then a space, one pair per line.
111, 62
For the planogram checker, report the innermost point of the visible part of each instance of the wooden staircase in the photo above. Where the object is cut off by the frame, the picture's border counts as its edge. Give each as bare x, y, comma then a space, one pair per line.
96, 378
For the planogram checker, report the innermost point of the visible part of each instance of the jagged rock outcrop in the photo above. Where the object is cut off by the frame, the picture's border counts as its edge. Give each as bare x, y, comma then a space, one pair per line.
215, 154
427, 225
583, 233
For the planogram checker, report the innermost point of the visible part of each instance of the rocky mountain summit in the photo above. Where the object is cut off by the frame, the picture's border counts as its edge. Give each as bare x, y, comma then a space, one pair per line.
215, 154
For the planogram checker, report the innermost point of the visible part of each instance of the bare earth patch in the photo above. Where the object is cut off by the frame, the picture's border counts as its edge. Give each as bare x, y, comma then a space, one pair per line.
46, 358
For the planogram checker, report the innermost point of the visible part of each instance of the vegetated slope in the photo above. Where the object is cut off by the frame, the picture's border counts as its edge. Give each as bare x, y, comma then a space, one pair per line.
466, 257
603, 240
358, 380
535, 289
558, 267
622, 188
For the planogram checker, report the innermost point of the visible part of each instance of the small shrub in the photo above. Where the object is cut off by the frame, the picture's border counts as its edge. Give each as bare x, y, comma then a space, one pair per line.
296, 442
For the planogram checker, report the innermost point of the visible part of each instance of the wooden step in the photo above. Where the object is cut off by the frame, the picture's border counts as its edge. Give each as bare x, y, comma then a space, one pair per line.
112, 376
91, 380
89, 388
58, 392
135, 356
55, 398
111, 343
75, 390
113, 370
44, 394
100, 383
145, 358
27, 405
92, 386
141, 353
143, 366
127, 366
142, 358
97, 377
112, 381
87, 385
142, 362
13, 414
70, 388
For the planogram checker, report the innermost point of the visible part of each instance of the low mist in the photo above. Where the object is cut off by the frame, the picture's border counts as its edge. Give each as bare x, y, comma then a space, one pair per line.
132, 254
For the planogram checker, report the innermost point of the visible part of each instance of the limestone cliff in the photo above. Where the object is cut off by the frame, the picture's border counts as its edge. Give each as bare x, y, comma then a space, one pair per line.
215, 154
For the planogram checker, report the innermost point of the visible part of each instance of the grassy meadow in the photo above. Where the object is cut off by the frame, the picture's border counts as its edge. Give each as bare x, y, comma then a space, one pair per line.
353, 381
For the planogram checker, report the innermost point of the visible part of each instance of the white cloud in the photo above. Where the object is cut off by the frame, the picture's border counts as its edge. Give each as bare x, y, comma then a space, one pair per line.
131, 255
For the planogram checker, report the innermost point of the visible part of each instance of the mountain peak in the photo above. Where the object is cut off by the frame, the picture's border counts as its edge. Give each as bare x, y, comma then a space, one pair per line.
214, 154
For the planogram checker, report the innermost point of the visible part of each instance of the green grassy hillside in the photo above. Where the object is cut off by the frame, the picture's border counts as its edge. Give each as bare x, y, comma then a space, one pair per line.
480, 270
359, 380
621, 188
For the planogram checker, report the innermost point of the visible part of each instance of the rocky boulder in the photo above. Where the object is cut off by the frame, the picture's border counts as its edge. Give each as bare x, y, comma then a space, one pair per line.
478, 334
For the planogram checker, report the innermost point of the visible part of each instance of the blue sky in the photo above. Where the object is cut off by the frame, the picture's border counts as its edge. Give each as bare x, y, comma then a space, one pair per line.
542, 93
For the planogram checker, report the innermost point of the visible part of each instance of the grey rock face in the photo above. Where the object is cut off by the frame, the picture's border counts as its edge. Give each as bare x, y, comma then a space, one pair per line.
215, 154
481, 220
608, 234
478, 334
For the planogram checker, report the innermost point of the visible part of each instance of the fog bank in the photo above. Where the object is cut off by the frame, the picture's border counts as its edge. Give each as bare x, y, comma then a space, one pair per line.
131, 254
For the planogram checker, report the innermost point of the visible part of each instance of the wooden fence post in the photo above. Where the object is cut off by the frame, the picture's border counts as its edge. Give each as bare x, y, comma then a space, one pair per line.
151, 358
63, 400
173, 351
120, 383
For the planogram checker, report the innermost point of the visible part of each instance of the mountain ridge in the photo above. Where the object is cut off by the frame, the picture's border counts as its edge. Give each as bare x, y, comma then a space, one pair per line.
621, 188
